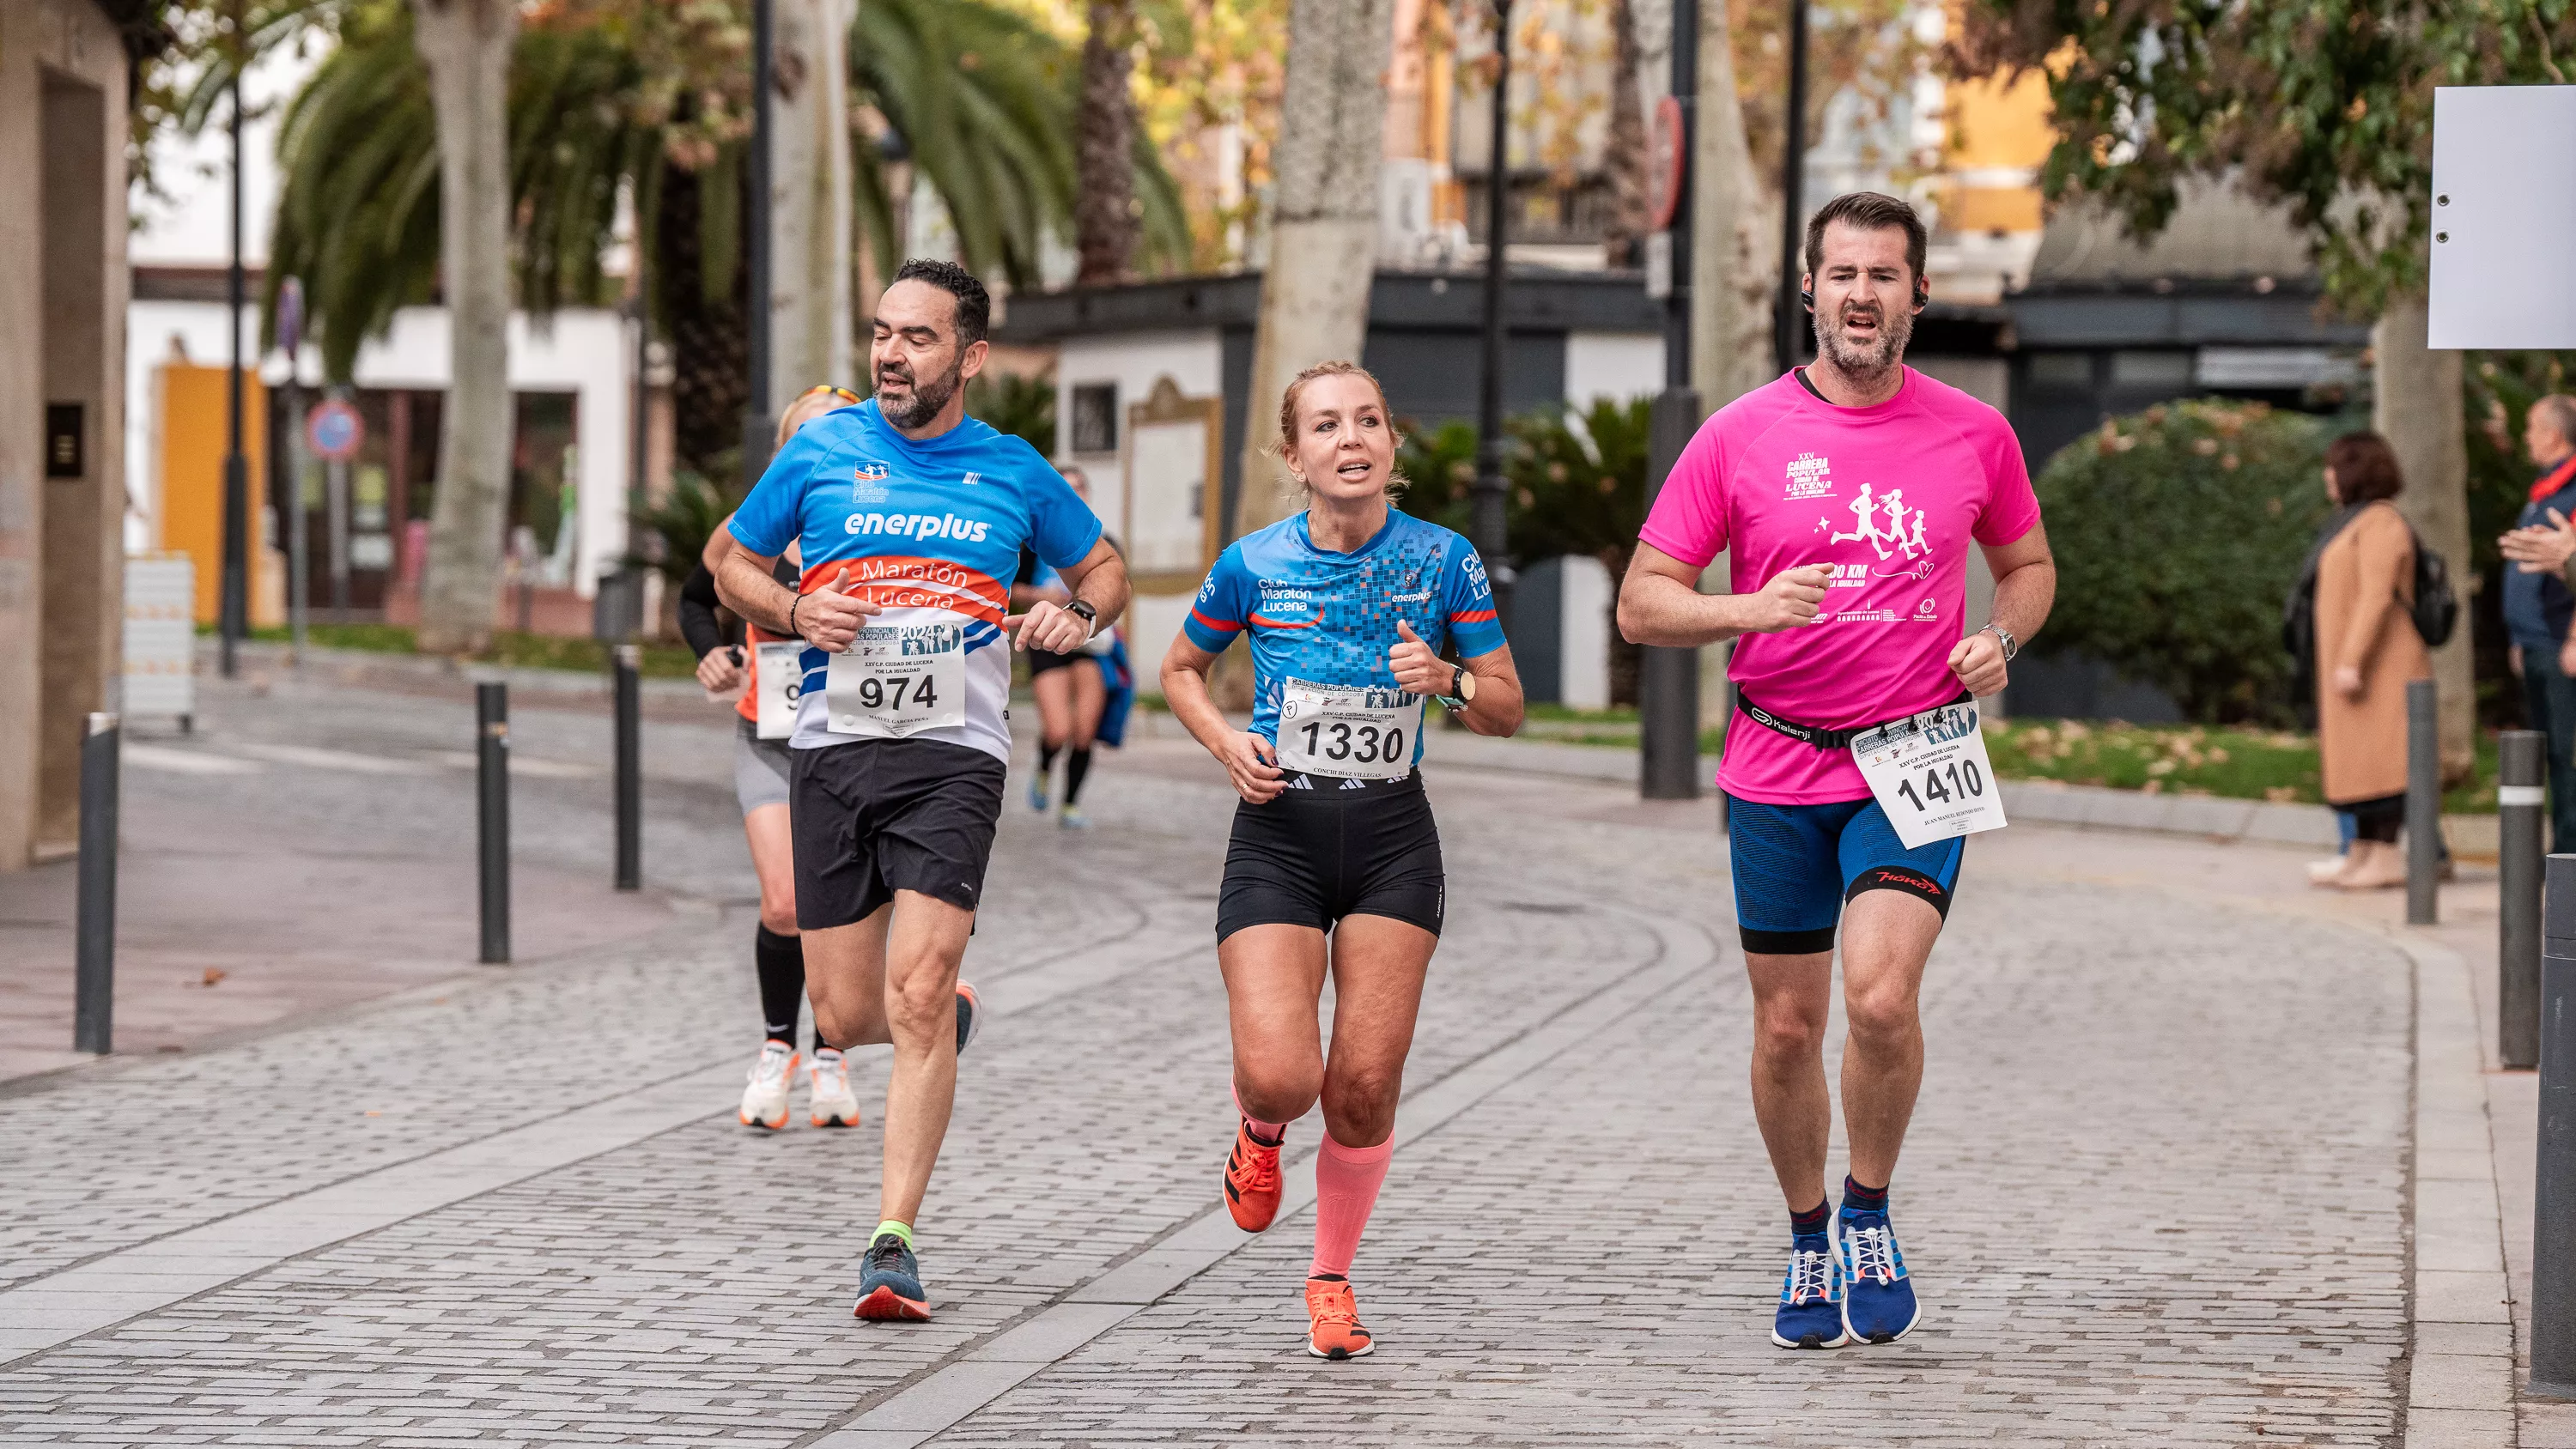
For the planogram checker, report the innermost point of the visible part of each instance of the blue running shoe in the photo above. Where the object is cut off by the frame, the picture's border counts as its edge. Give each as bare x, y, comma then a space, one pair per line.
890, 1285
1878, 1304
1811, 1298
1038, 792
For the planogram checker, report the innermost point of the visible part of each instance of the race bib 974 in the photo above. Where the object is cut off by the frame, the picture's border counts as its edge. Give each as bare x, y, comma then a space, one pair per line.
1929, 773
1352, 731
897, 680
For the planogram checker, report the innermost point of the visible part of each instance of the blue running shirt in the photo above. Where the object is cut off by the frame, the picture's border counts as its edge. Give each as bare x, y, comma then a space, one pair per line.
929, 530
1329, 618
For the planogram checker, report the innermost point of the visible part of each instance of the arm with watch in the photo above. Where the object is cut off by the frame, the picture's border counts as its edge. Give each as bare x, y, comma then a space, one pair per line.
2025, 587
1483, 692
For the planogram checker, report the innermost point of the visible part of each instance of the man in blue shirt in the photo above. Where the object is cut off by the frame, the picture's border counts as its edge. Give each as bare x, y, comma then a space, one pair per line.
2538, 608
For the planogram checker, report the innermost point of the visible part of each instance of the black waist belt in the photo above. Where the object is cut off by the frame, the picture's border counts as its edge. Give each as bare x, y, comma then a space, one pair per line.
1816, 735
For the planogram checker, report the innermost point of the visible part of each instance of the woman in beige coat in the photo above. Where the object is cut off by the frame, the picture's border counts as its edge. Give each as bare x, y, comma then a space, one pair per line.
2367, 650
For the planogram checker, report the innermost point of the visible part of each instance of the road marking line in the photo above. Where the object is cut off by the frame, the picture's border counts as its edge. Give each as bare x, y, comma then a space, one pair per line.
188, 762
976, 1376
52, 1310
314, 757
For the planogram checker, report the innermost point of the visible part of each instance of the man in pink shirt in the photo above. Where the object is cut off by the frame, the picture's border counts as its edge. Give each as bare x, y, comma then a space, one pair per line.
1845, 495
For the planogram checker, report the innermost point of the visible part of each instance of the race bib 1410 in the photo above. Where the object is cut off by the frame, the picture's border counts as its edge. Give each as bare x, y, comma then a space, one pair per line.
1929, 773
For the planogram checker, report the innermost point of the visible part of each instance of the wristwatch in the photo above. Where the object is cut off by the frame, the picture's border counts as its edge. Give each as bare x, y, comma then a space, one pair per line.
1462, 685
2004, 637
1090, 617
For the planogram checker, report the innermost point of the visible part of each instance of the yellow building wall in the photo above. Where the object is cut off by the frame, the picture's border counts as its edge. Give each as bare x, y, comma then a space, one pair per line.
1995, 125
190, 488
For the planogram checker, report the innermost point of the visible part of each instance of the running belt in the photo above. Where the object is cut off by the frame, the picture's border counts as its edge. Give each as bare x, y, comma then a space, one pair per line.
1817, 735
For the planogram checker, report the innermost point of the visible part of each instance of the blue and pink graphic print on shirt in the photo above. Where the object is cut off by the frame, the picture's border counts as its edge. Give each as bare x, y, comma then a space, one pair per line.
1329, 618
929, 531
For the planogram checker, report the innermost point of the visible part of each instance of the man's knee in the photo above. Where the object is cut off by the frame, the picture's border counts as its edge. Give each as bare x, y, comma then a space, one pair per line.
1788, 1027
921, 998
1277, 1092
1883, 1013
778, 911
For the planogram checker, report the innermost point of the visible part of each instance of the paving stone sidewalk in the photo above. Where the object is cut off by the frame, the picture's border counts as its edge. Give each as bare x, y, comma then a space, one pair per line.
2157, 1190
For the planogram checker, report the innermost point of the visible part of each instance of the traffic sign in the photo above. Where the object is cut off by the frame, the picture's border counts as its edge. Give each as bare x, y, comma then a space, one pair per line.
334, 430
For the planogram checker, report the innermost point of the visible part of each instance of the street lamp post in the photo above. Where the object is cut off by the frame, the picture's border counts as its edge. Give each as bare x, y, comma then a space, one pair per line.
1788, 327
234, 610
1489, 517
756, 424
1668, 679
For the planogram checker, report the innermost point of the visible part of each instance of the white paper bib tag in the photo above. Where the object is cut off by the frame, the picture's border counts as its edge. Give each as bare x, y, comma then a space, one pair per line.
897, 680
778, 670
1351, 731
1929, 773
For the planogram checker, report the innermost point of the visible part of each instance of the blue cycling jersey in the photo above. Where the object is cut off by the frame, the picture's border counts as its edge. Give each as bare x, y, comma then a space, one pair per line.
1329, 618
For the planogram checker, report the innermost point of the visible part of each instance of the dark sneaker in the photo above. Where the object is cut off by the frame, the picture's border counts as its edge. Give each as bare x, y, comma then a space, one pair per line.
1878, 1299
890, 1285
1811, 1298
970, 1015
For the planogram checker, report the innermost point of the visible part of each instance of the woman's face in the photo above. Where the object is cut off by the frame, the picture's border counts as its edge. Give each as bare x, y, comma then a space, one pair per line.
1345, 446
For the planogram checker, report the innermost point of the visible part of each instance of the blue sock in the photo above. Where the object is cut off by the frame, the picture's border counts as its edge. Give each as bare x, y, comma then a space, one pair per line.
1811, 1223
1859, 1199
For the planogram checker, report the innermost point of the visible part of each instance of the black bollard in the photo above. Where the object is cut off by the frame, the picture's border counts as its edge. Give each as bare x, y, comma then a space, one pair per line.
2423, 805
630, 768
94, 937
492, 777
2523, 756
2553, 1237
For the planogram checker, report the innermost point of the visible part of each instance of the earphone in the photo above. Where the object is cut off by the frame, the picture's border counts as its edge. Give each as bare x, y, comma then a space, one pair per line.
1922, 295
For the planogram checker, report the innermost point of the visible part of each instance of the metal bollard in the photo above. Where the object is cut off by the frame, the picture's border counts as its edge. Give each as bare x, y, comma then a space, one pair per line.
2423, 805
2553, 1235
94, 937
630, 768
2524, 756
1668, 679
492, 777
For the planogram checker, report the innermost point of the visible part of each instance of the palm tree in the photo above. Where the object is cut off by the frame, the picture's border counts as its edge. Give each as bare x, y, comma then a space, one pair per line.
1104, 215
649, 101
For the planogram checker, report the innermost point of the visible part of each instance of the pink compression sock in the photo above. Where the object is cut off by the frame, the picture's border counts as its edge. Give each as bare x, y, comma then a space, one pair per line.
1275, 1131
1346, 1184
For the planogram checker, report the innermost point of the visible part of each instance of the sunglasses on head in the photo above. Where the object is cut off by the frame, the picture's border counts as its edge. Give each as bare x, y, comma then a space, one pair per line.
843, 393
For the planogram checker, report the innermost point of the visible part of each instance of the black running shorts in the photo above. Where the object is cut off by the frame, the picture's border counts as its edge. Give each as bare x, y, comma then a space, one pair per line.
1042, 660
872, 817
1326, 848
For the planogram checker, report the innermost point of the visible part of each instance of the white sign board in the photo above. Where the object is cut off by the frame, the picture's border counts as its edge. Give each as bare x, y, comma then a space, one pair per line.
1166, 488
2504, 206
160, 635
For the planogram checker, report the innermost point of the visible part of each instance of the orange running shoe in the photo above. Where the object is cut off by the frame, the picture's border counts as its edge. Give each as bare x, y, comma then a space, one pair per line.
1251, 1180
1333, 1328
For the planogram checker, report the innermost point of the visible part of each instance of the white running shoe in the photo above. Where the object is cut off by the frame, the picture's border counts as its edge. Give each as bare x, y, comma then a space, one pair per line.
835, 1105
764, 1099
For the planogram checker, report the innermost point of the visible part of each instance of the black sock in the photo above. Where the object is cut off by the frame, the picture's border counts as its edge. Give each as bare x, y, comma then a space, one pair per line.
1811, 1223
1077, 764
1859, 1199
780, 962
1046, 757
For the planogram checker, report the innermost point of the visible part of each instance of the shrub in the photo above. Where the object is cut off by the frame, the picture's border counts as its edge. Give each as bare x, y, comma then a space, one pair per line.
2179, 532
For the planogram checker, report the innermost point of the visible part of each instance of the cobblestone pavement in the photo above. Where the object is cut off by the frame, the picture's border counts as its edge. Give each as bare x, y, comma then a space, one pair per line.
2155, 1193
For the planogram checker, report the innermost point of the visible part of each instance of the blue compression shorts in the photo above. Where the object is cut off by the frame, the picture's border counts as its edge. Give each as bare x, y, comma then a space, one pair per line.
1796, 865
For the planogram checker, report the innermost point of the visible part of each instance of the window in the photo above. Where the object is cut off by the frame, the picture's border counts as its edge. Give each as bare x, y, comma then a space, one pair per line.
2062, 369
1095, 417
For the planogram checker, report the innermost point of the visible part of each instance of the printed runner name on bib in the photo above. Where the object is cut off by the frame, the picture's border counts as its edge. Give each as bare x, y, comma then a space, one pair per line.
897, 680
779, 669
1351, 731
1929, 773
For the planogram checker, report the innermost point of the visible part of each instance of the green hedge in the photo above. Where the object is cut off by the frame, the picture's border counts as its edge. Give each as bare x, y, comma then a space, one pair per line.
2179, 531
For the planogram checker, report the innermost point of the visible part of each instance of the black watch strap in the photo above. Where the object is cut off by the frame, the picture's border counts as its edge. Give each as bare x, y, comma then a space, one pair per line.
1083, 607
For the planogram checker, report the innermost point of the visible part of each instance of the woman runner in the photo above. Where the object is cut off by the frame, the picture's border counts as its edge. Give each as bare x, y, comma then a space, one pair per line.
1335, 862
1072, 689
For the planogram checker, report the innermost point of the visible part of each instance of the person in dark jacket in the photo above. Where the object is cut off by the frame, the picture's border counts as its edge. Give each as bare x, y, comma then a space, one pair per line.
2538, 605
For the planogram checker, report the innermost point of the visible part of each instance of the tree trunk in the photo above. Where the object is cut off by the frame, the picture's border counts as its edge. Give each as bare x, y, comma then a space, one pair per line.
466, 46
1736, 253
1105, 222
2416, 406
1629, 153
1323, 229
809, 214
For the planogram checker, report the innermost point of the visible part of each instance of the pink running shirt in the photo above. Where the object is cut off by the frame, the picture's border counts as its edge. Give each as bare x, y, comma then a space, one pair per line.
1889, 496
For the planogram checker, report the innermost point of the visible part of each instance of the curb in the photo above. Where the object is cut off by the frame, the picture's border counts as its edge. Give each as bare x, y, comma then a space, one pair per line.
362, 667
